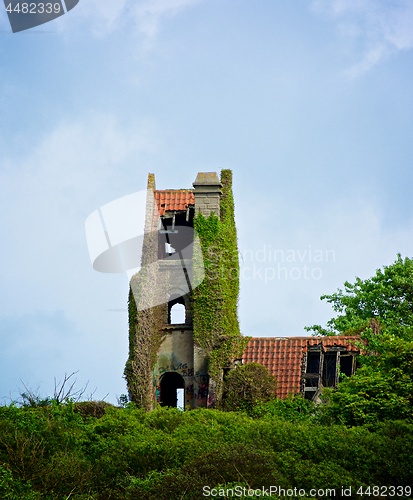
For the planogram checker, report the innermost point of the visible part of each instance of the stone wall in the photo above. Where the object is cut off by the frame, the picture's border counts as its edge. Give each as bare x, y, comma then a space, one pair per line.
208, 192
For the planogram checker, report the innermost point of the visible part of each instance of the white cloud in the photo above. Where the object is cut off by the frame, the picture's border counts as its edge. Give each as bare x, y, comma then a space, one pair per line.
377, 28
102, 16
149, 14
106, 16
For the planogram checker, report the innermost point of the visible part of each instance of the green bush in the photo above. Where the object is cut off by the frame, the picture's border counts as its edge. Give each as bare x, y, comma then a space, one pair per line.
246, 386
294, 409
95, 409
15, 489
54, 453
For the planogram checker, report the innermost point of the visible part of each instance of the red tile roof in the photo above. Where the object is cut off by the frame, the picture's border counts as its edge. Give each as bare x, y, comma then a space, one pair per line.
283, 357
169, 200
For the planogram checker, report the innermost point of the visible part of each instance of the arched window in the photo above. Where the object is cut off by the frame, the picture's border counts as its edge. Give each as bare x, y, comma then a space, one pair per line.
177, 314
176, 311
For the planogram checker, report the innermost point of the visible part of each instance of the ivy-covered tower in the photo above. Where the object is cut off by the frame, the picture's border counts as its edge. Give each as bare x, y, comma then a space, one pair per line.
183, 324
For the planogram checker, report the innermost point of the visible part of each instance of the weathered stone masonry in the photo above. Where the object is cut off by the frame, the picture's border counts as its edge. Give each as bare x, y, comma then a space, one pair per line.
179, 366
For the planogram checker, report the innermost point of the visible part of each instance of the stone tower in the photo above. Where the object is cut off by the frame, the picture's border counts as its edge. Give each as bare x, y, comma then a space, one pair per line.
167, 362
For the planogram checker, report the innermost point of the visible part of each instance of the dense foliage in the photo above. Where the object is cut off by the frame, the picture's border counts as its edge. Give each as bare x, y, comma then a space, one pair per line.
386, 298
55, 452
380, 309
246, 386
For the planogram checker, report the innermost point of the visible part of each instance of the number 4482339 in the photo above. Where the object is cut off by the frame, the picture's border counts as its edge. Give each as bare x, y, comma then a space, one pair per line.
34, 8
385, 491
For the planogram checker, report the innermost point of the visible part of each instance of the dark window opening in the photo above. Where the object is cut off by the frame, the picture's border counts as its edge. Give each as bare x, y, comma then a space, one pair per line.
312, 372
330, 369
313, 362
309, 394
323, 369
176, 235
172, 386
347, 364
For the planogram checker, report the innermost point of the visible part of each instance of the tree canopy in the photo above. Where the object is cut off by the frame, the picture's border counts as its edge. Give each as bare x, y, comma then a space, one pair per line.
383, 302
380, 309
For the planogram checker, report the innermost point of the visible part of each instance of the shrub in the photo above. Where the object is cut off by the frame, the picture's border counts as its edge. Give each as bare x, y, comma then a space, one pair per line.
247, 386
94, 409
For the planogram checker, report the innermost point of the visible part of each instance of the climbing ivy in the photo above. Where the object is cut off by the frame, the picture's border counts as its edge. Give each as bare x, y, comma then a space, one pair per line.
145, 326
215, 300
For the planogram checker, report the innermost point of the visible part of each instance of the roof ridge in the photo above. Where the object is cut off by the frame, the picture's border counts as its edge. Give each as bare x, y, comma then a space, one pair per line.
186, 190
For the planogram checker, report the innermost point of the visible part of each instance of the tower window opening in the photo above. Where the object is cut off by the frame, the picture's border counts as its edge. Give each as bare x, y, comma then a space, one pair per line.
177, 313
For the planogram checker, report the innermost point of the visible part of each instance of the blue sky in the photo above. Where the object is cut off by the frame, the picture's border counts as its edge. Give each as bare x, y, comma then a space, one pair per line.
308, 102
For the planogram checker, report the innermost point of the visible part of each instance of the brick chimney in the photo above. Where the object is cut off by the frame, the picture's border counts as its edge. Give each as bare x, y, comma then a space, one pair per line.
207, 189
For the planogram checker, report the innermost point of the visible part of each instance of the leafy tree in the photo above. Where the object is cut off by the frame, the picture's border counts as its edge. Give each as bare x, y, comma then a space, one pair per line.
380, 309
384, 301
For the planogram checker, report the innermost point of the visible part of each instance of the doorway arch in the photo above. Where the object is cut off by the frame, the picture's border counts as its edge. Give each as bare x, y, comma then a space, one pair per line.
172, 388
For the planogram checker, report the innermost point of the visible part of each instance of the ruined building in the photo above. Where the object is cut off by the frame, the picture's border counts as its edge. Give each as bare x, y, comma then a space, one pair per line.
304, 365
183, 327
189, 263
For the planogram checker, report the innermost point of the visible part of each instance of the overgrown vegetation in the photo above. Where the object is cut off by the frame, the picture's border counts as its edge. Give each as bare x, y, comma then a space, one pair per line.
145, 325
246, 386
362, 436
380, 309
56, 453
215, 300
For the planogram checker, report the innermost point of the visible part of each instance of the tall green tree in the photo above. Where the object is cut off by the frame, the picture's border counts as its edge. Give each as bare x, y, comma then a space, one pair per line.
383, 302
380, 310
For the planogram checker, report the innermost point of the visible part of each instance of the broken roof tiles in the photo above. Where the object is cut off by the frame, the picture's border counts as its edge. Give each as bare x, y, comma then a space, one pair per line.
172, 200
283, 357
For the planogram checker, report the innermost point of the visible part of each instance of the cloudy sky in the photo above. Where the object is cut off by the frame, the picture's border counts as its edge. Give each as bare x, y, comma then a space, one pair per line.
308, 102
